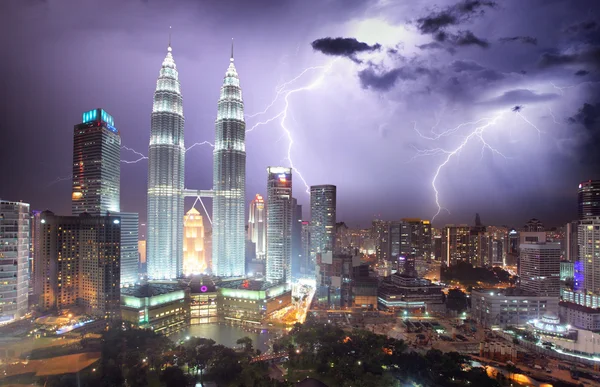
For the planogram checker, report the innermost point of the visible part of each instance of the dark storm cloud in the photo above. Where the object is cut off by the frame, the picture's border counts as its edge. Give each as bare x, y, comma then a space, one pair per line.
589, 116
582, 26
452, 16
517, 108
347, 47
520, 96
462, 38
520, 39
384, 81
465, 65
582, 73
437, 46
589, 56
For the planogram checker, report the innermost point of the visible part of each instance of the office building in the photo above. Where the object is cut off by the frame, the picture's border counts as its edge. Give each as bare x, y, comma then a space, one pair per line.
34, 235
279, 225
322, 218
96, 165
569, 243
129, 247
307, 266
257, 226
415, 238
589, 253
166, 159
229, 179
77, 263
455, 244
579, 316
511, 306
194, 260
248, 302
534, 225
411, 294
14, 260
588, 199
539, 270
296, 238
380, 232
334, 279
162, 307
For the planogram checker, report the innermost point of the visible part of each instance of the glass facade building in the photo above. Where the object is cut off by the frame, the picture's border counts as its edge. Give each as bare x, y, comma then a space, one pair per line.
129, 248
166, 156
322, 218
588, 199
257, 226
96, 165
229, 180
279, 225
14, 260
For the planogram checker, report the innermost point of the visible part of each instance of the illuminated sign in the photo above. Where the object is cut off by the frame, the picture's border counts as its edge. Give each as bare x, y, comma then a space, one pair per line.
90, 115
203, 289
282, 178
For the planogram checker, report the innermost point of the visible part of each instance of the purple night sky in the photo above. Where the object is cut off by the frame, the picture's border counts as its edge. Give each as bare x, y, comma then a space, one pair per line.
371, 119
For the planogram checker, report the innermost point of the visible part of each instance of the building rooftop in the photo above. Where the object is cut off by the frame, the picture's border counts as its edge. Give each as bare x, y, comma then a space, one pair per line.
151, 289
508, 292
245, 284
579, 308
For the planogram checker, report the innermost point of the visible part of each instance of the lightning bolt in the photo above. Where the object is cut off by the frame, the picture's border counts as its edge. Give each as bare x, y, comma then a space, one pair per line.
201, 143
539, 132
198, 198
284, 90
59, 179
142, 156
562, 89
553, 117
476, 134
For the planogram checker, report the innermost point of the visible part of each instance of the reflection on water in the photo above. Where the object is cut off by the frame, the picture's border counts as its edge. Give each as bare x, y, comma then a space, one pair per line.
227, 335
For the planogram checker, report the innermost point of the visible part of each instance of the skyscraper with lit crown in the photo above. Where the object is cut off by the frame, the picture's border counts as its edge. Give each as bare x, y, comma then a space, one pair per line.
166, 157
229, 179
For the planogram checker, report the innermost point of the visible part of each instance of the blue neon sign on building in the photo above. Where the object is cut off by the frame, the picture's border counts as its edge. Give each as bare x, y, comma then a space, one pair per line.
95, 114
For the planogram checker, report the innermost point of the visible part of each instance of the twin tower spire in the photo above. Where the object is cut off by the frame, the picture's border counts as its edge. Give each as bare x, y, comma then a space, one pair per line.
166, 171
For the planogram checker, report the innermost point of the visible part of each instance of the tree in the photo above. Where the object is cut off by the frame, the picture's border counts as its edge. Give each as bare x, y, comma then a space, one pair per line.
174, 377
246, 342
456, 300
199, 353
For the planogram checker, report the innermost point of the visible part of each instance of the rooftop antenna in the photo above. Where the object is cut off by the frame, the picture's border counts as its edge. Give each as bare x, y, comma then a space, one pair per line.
170, 38
231, 59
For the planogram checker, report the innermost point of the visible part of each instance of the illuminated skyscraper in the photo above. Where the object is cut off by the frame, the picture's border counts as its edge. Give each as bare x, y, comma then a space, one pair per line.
96, 164
279, 225
257, 224
588, 235
166, 156
194, 260
14, 260
588, 199
322, 218
455, 244
539, 271
229, 179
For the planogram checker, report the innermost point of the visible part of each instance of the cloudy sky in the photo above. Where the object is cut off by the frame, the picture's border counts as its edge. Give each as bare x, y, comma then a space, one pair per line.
494, 105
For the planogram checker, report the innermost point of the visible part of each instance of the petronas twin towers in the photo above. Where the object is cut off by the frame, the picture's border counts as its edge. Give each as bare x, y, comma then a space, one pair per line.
166, 192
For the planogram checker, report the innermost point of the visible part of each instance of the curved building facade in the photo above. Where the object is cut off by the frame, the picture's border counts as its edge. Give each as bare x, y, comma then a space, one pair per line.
166, 156
229, 179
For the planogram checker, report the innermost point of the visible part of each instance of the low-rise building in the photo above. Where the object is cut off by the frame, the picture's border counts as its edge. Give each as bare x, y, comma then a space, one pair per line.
203, 301
403, 292
249, 302
512, 306
580, 316
162, 307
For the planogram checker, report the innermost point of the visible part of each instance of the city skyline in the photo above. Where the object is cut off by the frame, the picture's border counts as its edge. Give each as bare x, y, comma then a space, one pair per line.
554, 103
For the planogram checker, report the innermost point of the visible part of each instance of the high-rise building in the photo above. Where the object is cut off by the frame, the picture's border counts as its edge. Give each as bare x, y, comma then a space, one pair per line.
14, 260
588, 199
455, 244
569, 243
380, 232
229, 179
534, 225
129, 248
296, 238
279, 224
322, 218
166, 158
334, 279
142, 255
307, 267
96, 165
194, 260
257, 226
415, 238
34, 235
539, 270
77, 263
588, 235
